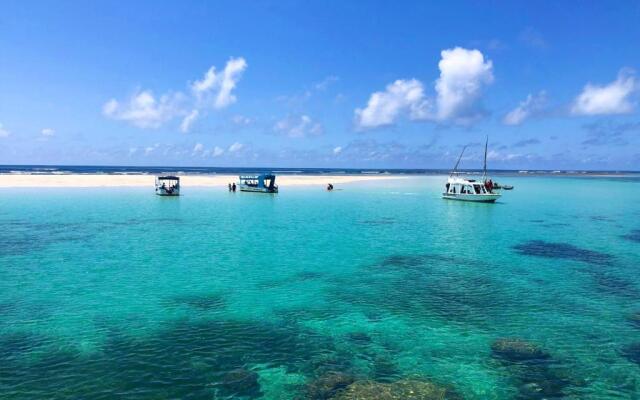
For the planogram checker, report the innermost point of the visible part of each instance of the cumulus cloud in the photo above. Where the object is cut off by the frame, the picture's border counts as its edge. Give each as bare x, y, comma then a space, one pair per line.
401, 96
337, 150
221, 84
614, 98
4, 132
198, 148
217, 151
297, 127
187, 121
235, 147
463, 75
531, 106
150, 149
144, 110
48, 132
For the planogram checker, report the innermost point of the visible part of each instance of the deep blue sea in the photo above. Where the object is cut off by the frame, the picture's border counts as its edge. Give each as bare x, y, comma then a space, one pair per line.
136, 170
378, 290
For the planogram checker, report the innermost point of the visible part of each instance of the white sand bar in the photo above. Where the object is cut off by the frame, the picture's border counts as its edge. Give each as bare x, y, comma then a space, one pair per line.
103, 180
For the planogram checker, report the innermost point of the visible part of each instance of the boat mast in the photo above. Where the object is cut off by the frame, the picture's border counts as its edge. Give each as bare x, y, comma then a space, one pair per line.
458, 162
484, 169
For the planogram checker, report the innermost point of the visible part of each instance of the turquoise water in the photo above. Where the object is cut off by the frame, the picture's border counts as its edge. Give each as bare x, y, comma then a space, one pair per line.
117, 293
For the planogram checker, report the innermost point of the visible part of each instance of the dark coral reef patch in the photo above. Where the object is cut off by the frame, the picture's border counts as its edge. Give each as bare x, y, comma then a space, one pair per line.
536, 374
633, 236
632, 352
541, 248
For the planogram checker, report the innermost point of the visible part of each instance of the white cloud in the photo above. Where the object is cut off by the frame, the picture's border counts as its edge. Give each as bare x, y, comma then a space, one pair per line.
150, 149
614, 98
186, 123
217, 151
48, 132
4, 132
527, 108
235, 147
463, 74
384, 108
337, 150
221, 85
144, 110
198, 148
493, 155
297, 127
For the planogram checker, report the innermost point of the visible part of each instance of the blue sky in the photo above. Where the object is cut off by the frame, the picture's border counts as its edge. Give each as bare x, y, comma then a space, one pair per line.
321, 84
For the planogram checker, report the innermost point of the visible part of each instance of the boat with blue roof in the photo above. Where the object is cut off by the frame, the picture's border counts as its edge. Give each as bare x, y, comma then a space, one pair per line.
262, 183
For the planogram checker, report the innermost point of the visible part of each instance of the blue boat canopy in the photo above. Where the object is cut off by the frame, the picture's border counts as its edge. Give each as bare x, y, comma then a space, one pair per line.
168, 178
254, 177
258, 183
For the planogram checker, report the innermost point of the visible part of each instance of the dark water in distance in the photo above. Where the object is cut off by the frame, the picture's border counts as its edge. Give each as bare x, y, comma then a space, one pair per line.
115, 169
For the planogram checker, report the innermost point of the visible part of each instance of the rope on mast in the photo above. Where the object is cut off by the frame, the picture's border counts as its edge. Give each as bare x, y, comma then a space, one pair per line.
458, 162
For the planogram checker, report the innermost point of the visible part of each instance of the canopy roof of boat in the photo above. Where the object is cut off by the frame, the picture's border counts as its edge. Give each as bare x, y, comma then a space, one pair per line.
168, 178
263, 176
463, 180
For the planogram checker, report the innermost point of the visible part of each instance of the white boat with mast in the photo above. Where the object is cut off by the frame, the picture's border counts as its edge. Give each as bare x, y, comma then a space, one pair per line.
464, 189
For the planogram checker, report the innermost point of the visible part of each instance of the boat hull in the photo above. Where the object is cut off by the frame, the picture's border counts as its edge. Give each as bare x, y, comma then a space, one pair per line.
476, 198
256, 190
162, 192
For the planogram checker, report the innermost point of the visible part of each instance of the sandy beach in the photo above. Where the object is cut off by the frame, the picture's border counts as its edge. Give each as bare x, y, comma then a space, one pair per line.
104, 180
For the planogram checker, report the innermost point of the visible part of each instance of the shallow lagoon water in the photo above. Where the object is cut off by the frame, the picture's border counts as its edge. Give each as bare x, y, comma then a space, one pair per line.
109, 293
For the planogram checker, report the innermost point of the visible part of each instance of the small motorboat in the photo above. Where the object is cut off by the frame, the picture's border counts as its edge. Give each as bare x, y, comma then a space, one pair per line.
498, 186
168, 186
264, 183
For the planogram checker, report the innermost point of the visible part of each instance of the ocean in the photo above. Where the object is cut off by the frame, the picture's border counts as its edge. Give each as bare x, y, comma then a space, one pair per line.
380, 289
